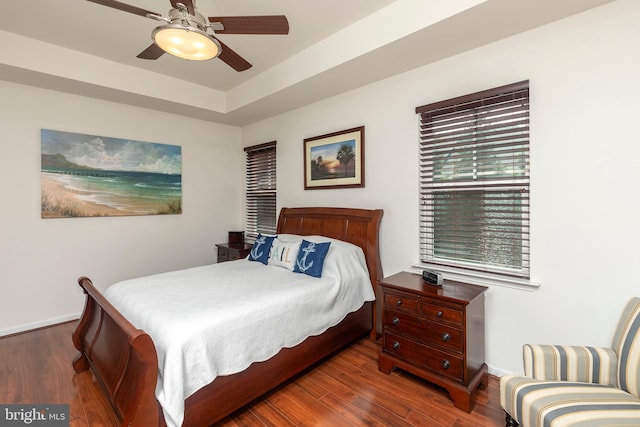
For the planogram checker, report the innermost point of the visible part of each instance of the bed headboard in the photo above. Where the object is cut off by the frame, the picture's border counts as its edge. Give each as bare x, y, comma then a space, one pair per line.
357, 226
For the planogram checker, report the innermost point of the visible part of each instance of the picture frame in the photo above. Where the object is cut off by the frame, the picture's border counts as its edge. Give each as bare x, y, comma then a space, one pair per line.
334, 160
85, 175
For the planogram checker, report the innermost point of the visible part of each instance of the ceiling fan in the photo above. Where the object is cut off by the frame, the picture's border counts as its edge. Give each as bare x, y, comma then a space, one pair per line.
187, 34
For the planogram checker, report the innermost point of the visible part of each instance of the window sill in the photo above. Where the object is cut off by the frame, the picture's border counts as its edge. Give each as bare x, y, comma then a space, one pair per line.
479, 278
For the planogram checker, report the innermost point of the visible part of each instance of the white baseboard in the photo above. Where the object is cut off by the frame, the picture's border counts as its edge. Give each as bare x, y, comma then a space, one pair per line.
36, 325
499, 372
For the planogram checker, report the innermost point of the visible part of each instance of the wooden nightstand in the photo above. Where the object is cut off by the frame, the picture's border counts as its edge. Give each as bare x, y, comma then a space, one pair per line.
232, 251
436, 333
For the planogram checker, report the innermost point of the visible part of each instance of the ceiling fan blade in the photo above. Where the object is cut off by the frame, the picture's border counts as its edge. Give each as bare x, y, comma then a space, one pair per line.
188, 3
232, 59
272, 24
152, 52
124, 7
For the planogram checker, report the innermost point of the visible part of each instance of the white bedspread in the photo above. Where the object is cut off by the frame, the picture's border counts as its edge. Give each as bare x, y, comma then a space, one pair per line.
218, 319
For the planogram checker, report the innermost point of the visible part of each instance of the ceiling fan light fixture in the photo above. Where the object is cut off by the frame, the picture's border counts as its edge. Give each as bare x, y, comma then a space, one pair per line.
186, 42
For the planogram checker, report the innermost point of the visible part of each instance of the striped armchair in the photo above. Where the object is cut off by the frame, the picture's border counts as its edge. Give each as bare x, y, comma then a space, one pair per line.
578, 386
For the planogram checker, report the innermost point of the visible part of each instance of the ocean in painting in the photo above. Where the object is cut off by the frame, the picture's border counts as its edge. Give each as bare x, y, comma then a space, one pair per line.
136, 193
139, 178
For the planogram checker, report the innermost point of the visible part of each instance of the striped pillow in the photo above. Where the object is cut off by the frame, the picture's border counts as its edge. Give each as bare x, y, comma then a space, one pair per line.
626, 343
598, 365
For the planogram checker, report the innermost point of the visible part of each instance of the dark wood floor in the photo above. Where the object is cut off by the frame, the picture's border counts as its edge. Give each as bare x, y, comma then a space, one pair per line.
345, 390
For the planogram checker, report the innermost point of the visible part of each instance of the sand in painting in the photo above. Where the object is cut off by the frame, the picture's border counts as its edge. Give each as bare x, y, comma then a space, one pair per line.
59, 201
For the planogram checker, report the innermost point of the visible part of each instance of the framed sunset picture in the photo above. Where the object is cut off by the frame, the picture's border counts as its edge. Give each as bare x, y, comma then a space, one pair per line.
334, 160
87, 176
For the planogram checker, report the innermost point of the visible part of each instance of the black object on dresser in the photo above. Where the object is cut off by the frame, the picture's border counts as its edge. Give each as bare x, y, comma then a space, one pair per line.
436, 333
236, 237
232, 251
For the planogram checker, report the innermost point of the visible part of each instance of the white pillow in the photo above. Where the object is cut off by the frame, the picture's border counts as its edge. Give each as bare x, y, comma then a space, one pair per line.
342, 255
345, 263
316, 239
284, 254
289, 237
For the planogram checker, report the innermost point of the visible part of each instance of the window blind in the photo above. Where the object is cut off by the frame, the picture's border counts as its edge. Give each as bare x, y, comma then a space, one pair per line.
474, 181
260, 187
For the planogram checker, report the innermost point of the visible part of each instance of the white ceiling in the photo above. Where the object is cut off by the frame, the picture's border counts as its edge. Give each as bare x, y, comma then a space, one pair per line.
332, 46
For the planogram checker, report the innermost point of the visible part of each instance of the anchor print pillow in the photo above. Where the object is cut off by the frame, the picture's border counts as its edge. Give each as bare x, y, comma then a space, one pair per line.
261, 248
311, 257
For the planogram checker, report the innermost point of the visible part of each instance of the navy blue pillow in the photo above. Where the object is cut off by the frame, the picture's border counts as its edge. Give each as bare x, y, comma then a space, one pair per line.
310, 258
261, 248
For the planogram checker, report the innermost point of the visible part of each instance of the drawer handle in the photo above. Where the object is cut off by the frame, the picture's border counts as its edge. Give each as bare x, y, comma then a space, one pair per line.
446, 337
395, 321
399, 302
439, 313
446, 364
396, 345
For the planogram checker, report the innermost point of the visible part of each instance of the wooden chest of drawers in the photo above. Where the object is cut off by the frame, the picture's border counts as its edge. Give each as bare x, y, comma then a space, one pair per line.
436, 333
232, 251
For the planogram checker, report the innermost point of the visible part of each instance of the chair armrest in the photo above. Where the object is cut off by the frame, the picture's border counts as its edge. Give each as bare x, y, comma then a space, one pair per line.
597, 365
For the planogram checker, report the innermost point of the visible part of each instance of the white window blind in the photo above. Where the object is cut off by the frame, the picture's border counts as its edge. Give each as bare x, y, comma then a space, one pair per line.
474, 181
260, 185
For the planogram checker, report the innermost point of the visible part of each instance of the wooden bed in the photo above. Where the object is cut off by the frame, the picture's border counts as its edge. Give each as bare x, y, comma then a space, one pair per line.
124, 362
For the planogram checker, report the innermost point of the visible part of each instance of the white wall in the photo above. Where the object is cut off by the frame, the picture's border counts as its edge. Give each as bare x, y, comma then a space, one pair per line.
583, 74
40, 259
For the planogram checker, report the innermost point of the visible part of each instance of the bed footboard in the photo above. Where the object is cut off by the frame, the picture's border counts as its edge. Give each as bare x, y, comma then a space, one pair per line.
122, 358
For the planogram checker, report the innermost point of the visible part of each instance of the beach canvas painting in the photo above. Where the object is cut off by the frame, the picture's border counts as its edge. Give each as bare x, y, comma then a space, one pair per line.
87, 176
